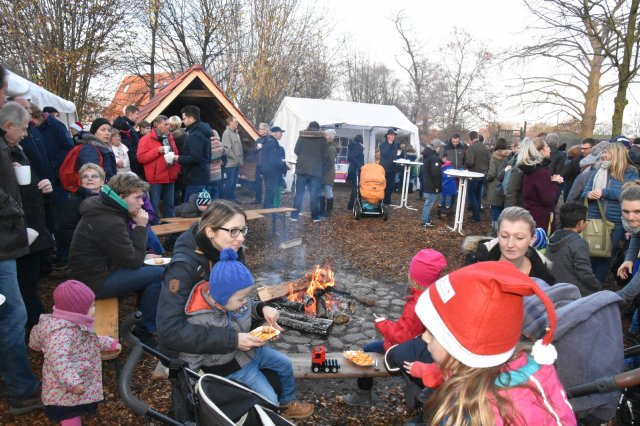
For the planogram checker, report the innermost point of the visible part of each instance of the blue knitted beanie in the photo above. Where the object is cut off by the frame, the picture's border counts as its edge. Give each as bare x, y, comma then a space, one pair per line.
541, 239
228, 276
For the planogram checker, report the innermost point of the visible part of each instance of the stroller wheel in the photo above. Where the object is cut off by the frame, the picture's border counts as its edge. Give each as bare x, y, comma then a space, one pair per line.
385, 213
357, 211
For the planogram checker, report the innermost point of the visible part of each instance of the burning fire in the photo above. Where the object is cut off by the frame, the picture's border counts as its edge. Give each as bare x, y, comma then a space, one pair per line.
320, 279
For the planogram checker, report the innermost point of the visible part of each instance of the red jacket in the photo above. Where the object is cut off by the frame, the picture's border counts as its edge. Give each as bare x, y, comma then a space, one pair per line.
406, 328
156, 169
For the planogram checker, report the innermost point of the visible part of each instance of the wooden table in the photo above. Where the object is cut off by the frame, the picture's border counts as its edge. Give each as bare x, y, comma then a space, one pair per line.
181, 224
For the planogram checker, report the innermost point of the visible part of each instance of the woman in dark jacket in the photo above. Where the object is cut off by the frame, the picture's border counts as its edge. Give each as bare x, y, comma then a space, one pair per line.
539, 189
91, 180
516, 234
355, 156
97, 148
222, 225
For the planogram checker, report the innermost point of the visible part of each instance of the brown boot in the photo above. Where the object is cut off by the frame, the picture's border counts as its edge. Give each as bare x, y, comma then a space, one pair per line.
297, 410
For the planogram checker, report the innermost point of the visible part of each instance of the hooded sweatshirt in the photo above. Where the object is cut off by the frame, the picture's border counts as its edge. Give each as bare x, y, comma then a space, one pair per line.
571, 263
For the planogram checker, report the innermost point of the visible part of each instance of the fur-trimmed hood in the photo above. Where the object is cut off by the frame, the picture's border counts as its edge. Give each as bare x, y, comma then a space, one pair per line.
312, 134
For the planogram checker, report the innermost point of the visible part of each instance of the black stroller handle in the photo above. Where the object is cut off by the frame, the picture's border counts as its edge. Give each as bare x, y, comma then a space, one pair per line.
606, 384
124, 380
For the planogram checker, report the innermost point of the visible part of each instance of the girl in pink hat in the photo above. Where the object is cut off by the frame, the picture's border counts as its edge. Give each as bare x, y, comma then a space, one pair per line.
482, 374
72, 368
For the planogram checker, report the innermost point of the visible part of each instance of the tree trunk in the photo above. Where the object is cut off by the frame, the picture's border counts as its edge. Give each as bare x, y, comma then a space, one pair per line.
624, 70
591, 97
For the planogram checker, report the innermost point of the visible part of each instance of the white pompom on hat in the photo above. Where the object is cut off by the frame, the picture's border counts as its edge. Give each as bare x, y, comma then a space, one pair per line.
476, 314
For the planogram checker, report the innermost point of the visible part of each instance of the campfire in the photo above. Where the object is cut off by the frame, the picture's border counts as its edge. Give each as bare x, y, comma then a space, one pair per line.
321, 282
311, 303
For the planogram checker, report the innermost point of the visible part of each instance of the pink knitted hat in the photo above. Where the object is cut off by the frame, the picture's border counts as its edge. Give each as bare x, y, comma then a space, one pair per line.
73, 296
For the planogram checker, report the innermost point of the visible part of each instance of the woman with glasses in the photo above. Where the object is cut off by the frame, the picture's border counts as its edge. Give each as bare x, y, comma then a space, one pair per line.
91, 180
222, 225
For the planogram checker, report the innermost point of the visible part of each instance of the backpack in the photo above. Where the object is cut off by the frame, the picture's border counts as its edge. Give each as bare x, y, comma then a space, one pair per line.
69, 176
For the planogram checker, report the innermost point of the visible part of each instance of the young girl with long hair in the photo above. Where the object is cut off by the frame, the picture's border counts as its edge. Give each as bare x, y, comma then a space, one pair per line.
482, 374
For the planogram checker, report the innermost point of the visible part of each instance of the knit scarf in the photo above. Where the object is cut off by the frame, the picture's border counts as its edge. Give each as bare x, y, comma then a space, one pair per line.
627, 226
600, 179
74, 317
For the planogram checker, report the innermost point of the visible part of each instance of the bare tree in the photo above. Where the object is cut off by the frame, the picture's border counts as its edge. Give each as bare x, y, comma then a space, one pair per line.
67, 43
369, 82
564, 64
423, 75
468, 100
622, 49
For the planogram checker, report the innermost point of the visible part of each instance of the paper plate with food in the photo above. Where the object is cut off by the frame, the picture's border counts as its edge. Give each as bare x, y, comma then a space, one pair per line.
359, 358
157, 261
265, 332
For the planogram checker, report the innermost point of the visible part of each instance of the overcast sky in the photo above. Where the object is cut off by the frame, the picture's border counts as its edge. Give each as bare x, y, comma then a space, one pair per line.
499, 23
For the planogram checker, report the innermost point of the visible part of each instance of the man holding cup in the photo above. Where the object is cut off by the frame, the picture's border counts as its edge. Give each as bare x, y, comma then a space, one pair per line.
158, 153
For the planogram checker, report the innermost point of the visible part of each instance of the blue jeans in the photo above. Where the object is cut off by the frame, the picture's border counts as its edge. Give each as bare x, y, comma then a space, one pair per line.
374, 346
429, 201
270, 359
189, 190
328, 191
600, 265
230, 183
313, 183
15, 368
153, 242
446, 201
495, 212
214, 189
123, 282
166, 192
475, 197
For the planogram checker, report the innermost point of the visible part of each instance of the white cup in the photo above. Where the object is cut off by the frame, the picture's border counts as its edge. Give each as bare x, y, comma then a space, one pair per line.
32, 234
168, 157
23, 174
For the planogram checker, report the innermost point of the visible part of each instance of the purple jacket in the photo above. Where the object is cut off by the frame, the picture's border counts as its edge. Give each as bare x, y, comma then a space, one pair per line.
539, 194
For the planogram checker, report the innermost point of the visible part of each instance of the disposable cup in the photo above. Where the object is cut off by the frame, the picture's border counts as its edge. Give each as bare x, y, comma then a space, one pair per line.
168, 157
23, 174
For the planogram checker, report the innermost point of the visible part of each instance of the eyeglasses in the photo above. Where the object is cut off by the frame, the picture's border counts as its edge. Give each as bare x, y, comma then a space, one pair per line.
585, 149
90, 177
235, 232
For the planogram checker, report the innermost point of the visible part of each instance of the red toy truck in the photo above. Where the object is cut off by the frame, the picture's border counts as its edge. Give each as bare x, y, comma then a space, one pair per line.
320, 363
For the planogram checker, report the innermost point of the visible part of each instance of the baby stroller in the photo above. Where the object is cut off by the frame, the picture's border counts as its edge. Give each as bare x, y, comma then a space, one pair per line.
370, 183
209, 399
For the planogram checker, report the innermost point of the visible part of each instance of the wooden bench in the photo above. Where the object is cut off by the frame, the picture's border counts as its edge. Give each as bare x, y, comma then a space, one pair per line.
107, 322
277, 213
181, 224
302, 367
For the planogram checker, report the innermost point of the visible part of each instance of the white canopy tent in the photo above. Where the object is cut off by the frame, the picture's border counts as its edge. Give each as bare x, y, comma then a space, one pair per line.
19, 86
348, 119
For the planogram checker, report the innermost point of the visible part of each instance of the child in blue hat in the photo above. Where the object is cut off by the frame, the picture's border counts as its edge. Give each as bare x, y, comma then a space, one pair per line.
224, 302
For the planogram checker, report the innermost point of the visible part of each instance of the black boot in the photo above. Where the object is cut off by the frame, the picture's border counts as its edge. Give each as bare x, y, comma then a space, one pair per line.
329, 210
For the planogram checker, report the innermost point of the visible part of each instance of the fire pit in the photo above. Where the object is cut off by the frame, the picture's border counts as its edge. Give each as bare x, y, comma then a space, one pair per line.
311, 303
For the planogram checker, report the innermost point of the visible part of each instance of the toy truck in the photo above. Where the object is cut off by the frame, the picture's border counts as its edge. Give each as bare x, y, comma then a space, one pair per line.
320, 363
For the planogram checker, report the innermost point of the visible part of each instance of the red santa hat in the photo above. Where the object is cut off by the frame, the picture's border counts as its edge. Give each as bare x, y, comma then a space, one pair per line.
77, 126
476, 314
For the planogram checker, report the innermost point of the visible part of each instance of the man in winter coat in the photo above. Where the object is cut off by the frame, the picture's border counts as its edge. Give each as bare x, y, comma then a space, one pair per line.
160, 173
196, 153
313, 157
355, 157
108, 255
476, 160
15, 368
432, 183
263, 132
388, 154
454, 151
272, 166
557, 158
233, 148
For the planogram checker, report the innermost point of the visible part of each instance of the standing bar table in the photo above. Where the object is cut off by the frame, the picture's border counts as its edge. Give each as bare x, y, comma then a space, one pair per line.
464, 176
404, 193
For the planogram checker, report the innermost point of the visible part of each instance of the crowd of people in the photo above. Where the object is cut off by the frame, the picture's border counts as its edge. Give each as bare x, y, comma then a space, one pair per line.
459, 334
